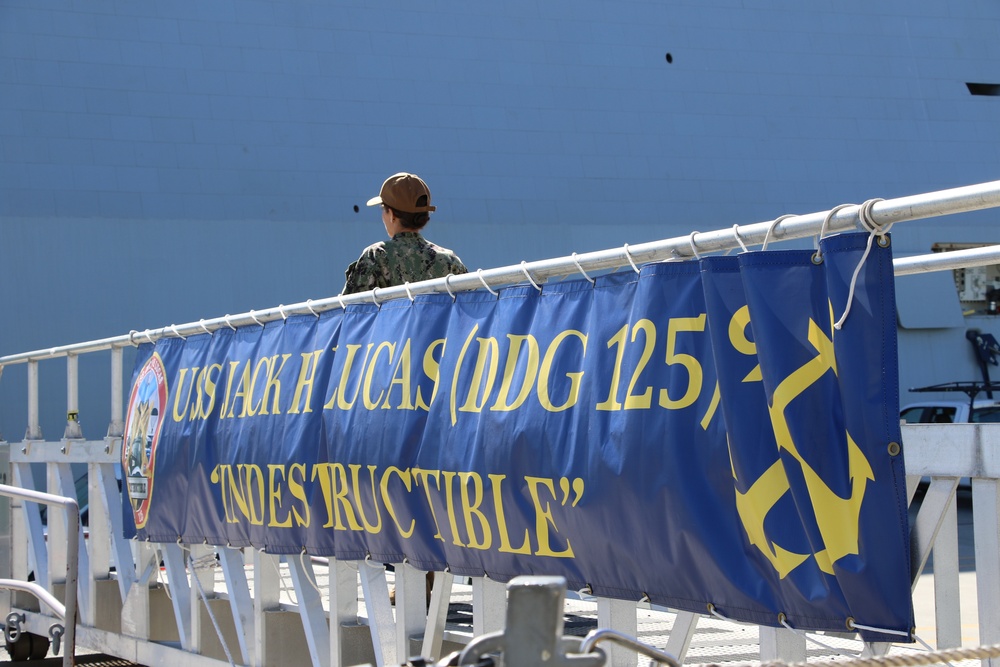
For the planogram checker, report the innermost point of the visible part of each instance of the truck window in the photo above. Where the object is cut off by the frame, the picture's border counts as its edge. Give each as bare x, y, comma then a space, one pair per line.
986, 415
934, 414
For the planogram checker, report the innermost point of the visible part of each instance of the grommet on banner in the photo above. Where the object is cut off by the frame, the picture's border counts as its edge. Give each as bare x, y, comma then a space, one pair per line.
447, 287
739, 239
253, 316
173, 327
580, 269
631, 261
524, 269
694, 248
228, 323
408, 292
479, 272
205, 328
773, 227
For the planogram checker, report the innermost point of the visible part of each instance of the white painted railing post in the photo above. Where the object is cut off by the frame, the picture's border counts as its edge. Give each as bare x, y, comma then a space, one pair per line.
34, 431
73, 430
986, 526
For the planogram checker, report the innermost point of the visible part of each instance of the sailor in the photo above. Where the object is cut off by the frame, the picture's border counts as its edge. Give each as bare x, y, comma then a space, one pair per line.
407, 256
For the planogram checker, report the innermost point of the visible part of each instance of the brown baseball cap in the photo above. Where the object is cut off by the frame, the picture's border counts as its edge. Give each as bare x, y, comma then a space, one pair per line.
404, 192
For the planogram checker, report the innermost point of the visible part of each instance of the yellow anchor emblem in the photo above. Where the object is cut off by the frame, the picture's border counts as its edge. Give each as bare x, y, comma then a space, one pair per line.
837, 518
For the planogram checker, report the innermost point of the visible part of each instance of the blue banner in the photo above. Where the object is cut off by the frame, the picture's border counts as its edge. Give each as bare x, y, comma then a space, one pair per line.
699, 434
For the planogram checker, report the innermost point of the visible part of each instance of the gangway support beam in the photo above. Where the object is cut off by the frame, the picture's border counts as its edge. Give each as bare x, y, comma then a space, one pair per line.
620, 615
241, 604
309, 598
380, 618
781, 644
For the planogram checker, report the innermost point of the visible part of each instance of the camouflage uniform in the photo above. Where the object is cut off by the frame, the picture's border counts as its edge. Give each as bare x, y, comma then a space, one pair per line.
406, 257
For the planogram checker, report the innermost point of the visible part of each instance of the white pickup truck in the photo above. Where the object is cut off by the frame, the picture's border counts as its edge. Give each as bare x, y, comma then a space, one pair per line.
950, 412
983, 410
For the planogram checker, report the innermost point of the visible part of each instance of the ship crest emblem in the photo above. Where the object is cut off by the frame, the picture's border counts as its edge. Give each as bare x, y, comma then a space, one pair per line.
143, 423
837, 518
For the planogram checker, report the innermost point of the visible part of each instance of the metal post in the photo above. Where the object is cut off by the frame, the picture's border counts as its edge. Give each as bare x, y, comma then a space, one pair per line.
116, 428
73, 398
34, 431
72, 514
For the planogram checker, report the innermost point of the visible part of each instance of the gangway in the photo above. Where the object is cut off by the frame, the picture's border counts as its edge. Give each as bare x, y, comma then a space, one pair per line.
200, 604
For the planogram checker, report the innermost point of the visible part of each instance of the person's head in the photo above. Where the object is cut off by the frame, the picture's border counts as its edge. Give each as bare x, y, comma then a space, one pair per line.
406, 198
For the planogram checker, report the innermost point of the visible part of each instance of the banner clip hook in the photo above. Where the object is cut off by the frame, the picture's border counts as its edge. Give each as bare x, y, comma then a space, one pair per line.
739, 239
631, 261
773, 228
694, 247
479, 272
580, 268
524, 269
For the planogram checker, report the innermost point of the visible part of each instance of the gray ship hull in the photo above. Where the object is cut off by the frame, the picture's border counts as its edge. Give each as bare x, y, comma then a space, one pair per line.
169, 161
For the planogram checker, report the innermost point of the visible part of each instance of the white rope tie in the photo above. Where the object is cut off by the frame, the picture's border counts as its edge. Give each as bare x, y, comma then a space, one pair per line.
479, 272
173, 327
340, 300
715, 612
631, 261
309, 305
774, 227
131, 337
874, 229
205, 328
281, 309
818, 257
149, 337
524, 269
739, 239
694, 248
374, 298
253, 316
579, 268
228, 323
305, 571
447, 286
409, 294
808, 637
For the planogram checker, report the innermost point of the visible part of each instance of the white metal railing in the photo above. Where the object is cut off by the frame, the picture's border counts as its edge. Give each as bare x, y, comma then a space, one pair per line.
124, 612
66, 613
